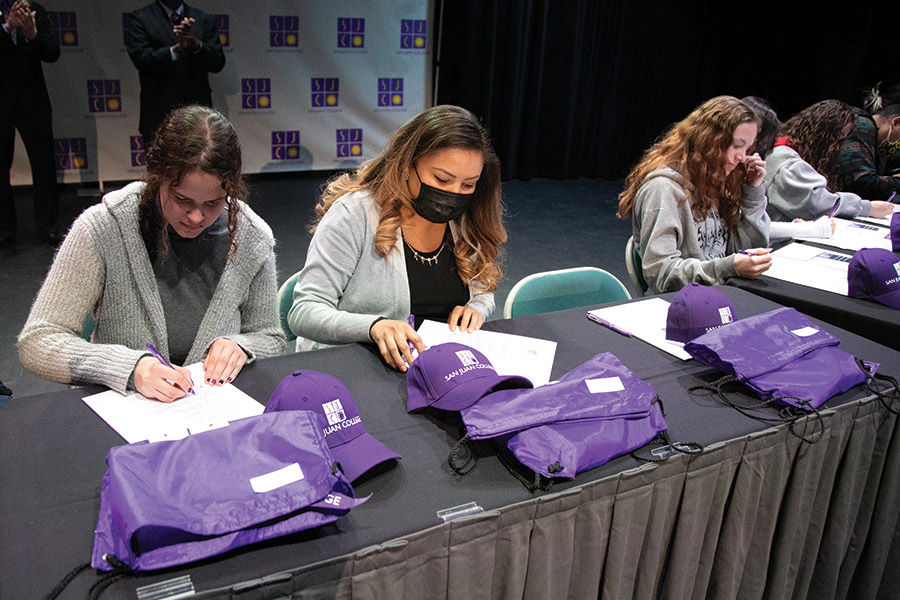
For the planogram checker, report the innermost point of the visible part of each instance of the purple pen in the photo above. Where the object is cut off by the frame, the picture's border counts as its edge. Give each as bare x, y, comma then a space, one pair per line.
835, 207
608, 325
412, 323
163, 360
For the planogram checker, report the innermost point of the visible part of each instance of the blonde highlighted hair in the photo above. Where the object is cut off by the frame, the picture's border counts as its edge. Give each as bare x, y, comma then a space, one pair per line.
480, 230
695, 147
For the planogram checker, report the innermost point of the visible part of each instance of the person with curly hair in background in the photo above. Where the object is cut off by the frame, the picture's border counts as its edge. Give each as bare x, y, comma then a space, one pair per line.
416, 231
869, 161
802, 167
697, 200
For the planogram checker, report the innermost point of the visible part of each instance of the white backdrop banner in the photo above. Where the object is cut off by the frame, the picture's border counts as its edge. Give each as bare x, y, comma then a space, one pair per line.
309, 85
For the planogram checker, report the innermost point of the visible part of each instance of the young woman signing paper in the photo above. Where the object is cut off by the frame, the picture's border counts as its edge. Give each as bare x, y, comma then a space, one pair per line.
176, 261
416, 230
697, 201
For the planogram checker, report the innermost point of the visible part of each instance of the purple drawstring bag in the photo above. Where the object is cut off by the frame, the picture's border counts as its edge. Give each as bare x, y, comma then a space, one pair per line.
785, 360
169, 503
595, 412
782, 357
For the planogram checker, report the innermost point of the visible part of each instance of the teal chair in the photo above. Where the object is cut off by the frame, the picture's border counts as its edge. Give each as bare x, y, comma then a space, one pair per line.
285, 301
565, 288
635, 271
87, 329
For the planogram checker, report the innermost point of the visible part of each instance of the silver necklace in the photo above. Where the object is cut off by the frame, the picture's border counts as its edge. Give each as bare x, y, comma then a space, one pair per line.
429, 261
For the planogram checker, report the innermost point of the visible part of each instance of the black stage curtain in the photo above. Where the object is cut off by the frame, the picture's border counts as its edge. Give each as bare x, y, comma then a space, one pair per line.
574, 88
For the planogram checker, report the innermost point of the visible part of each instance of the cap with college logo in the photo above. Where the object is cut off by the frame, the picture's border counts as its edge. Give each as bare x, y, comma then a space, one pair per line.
453, 376
355, 450
696, 309
875, 273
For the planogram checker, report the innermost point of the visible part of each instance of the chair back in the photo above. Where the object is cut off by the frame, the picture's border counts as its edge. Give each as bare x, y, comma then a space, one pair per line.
565, 288
285, 301
635, 271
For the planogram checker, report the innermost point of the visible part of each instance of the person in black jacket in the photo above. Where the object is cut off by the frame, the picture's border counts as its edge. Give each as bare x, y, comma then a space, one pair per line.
174, 47
25, 42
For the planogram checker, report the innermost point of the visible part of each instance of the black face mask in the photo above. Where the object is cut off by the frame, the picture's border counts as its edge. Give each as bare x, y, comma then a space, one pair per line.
439, 206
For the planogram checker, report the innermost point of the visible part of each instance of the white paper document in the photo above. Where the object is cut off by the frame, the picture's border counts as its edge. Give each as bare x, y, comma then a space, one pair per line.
811, 266
509, 354
855, 235
136, 418
645, 320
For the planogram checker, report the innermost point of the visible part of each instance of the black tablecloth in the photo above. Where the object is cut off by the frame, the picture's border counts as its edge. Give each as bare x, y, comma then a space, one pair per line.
52, 450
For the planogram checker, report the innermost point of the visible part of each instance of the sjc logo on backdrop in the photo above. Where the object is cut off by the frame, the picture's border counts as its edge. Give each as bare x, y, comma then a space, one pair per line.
284, 31
349, 143
256, 93
325, 92
63, 28
413, 34
390, 92
351, 33
104, 96
70, 153
138, 155
285, 145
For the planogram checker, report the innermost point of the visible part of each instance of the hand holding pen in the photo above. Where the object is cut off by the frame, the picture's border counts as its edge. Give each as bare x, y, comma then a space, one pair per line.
157, 379
751, 263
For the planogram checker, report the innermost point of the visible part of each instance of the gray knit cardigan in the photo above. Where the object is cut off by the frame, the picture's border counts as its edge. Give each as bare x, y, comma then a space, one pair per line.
103, 267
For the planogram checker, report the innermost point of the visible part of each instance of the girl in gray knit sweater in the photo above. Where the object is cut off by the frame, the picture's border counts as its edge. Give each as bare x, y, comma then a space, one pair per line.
177, 261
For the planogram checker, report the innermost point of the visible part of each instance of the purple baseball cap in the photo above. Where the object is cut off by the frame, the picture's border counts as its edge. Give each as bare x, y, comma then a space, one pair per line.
895, 232
875, 273
696, 309
356, 450
454, 376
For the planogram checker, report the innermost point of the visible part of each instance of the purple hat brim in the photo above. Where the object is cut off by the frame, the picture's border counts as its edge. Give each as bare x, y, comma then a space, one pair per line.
361, 454
891, 298
467, 394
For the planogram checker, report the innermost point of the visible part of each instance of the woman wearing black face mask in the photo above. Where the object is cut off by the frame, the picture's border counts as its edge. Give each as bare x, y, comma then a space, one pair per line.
415, 231
869, 162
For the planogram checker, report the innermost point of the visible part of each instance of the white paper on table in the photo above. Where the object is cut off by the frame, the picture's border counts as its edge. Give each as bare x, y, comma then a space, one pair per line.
645, 320
855, 235
509, 354
136, 418
810, 266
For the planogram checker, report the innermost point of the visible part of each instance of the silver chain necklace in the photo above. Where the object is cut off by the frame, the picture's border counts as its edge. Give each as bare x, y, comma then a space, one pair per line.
429, 261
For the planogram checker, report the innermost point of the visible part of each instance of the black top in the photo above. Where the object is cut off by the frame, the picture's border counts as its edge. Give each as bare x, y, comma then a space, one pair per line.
435, 287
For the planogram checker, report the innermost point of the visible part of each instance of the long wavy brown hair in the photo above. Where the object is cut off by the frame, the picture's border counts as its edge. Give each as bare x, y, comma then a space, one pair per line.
817, 132
192, 138
695, 147
480, 230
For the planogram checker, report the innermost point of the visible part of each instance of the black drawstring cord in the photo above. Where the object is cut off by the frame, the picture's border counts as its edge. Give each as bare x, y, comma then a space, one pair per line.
120, 571
785, 415
65, 581
893, 391
454, 459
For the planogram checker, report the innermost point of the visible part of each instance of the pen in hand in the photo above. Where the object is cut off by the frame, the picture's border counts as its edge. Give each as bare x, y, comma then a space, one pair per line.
163, 360
835, 207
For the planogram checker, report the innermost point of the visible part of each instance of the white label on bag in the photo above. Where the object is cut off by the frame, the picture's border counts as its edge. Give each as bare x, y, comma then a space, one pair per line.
604, 384
276, 479
805, 332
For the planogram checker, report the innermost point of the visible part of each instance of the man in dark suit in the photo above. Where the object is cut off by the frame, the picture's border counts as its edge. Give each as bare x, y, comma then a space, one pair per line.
25, 41
174, 47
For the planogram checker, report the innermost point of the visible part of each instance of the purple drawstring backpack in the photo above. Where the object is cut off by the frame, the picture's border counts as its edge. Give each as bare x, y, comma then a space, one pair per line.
169, 503
785, 360
592, 414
